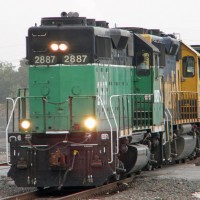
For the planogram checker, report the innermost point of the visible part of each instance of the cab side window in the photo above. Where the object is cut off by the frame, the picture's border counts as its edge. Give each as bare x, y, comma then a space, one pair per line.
188, 66
142, 63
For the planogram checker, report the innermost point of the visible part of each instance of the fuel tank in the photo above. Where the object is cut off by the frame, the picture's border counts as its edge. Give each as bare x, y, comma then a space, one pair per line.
185, 145
135, 158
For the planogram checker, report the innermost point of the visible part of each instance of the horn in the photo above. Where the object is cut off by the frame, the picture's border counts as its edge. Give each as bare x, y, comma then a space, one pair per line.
63, 14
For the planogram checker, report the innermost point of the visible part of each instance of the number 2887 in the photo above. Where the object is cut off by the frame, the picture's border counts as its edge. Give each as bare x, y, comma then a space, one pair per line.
74, 58
44, 59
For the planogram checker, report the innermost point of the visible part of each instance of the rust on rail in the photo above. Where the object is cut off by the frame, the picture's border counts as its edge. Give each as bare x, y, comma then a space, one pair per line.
25, 196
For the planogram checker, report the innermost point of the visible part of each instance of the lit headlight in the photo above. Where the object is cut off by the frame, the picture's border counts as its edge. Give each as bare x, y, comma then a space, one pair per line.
25, 125
54, 47
63, 47
58, 46
90, 123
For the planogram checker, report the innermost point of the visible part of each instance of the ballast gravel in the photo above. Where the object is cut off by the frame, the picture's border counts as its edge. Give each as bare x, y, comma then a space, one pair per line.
144, 187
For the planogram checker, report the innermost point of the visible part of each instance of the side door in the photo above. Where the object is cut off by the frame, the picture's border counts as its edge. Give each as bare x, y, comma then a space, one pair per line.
142, 89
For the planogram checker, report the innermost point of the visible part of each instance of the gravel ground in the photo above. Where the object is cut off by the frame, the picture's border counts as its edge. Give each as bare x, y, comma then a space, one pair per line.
8, 188
144, 187
147, 187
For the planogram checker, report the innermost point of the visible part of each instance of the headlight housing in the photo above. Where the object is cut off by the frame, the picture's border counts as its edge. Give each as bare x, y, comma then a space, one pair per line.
90, 123
25, 125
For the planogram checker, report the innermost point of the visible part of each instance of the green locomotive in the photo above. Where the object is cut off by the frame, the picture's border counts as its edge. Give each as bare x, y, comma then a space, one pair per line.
95, 107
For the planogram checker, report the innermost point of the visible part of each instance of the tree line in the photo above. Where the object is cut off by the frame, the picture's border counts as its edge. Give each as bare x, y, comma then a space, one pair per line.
11, 79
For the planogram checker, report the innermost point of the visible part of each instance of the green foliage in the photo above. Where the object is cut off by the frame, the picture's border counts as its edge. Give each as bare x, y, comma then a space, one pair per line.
11, 79
23, 74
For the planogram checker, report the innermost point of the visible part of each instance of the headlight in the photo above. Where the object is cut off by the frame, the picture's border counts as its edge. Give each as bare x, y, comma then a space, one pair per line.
58, 46
90, 123
25, 125
54, 47
63, 47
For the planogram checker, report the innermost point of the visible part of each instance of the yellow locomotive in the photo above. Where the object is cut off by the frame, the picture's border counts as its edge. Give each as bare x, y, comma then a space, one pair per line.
181, 98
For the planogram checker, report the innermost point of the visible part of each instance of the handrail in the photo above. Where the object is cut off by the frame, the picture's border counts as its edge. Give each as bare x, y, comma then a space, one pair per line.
111, 129
171, 118
167, 130
14, 102
183, 92
167, 134
117, 127
115, 121
177, 100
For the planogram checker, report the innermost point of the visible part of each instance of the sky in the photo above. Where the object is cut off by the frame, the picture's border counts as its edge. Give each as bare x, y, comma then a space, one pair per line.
170, 16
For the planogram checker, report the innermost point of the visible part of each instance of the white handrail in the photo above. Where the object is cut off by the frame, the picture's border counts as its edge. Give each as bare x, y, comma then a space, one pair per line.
167, 125
14, 102
171, 118
111, 130
117, 127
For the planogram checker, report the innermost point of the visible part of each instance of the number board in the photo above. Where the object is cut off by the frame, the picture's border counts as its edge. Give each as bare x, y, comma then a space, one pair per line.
44, 60
65, 59
75, 59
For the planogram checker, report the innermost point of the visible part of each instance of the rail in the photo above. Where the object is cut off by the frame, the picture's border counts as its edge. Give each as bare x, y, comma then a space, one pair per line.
91, 193
28, 195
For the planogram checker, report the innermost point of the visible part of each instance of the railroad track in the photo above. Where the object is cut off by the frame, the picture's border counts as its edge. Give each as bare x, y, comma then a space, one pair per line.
24, 196
86, 194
